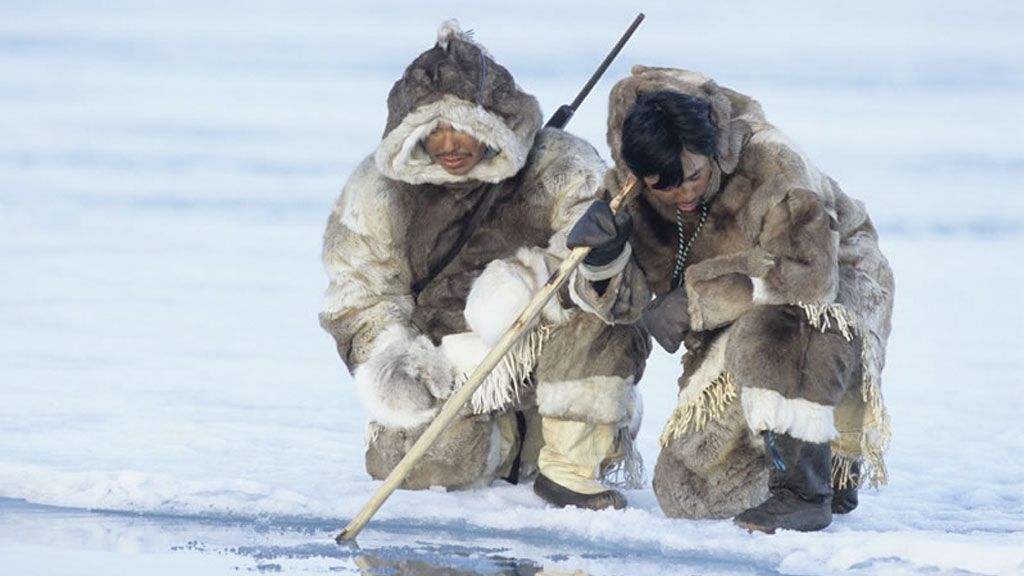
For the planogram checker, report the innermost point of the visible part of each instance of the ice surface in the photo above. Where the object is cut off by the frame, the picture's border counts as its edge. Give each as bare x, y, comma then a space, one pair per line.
169, 405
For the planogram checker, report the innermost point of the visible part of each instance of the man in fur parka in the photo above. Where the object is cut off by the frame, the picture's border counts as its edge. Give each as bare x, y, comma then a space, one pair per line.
437, 242
772, 277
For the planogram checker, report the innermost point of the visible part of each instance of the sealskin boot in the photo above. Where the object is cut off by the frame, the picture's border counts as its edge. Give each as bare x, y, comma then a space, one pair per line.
561, 496
799, 486
570, 463
844, 500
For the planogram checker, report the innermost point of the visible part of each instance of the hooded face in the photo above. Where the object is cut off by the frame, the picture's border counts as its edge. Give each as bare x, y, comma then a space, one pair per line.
688, 194
455, 151
456, 82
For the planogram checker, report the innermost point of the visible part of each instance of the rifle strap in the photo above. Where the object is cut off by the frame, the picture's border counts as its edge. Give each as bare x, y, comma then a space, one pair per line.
483, 206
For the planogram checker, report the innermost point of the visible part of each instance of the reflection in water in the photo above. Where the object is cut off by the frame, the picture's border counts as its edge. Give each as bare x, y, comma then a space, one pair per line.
441, 561
418, 559
450, 562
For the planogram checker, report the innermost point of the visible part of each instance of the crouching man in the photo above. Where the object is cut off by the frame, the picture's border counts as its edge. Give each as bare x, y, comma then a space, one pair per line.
438, 241
772, 278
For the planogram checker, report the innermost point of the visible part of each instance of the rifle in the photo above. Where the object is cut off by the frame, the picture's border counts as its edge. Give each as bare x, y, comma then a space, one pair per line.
461, 396
564, 113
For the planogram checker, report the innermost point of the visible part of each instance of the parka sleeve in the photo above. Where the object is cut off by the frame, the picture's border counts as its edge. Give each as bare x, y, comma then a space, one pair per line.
574, 180
368, 290
617, 292
794, 261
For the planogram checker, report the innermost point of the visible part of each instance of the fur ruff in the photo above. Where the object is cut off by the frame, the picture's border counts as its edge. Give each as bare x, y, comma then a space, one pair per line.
401, 157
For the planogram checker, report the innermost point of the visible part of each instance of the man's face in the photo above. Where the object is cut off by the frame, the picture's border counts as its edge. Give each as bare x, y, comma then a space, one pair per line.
455, 151
688, 194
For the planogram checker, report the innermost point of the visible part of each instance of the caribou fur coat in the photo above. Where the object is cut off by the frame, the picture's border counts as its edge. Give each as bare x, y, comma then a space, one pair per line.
789, 298
409, 343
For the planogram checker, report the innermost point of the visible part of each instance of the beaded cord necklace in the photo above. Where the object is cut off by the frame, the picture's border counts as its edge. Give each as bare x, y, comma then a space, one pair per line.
684, 245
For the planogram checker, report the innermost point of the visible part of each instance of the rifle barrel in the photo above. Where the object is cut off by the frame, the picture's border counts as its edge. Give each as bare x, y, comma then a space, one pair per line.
607, 62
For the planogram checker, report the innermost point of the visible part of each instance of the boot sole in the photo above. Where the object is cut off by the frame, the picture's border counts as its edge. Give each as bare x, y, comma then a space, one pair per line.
752, 527
560, 496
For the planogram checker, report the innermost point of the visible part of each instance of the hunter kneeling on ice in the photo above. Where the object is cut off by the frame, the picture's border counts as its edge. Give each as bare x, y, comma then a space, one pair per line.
436, 244
773, 279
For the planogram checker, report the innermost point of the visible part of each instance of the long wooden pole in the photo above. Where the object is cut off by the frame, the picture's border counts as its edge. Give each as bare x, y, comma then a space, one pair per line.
457, 400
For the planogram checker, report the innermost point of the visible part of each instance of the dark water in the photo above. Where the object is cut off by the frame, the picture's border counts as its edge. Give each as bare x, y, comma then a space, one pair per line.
296, 545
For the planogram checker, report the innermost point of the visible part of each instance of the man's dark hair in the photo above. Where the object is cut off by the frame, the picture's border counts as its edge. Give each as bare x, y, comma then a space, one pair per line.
659, 127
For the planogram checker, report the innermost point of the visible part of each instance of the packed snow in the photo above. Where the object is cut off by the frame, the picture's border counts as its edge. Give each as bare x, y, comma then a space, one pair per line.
169, 405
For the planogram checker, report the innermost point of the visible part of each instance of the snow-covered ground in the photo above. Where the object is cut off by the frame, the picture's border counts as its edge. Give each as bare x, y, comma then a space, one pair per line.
168, 404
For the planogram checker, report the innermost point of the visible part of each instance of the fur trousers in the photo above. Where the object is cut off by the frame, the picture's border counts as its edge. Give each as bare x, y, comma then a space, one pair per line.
581, 370
772, 369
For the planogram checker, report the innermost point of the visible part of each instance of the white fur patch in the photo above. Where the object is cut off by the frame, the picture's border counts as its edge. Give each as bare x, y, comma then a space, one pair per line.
768, 410
535, 260
761, 292
401, 157
494, 454
465, 350
636, 414
496, 299
597, 399
394, 352
449, 29
504, 289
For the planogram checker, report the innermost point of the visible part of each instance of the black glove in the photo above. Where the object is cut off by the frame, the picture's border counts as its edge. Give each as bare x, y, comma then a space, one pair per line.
667, 318
604, 232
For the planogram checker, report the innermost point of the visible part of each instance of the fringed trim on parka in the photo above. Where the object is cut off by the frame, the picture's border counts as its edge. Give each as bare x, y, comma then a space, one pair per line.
628, 472
502, 387
869, 443
705, 396
707, 403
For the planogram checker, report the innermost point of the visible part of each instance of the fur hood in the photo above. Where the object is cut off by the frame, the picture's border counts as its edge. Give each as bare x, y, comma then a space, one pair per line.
735, 115
458, 82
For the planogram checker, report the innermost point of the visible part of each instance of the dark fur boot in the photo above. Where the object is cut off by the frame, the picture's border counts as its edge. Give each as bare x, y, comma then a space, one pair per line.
799, 484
